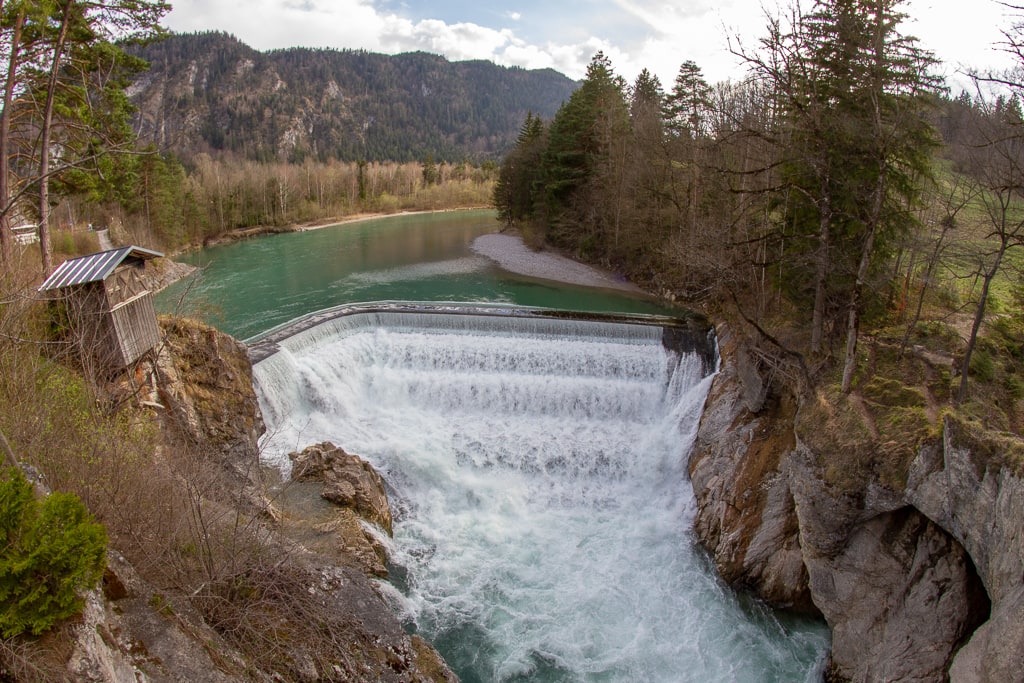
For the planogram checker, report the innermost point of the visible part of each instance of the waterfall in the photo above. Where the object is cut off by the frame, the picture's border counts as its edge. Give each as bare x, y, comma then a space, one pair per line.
537, 471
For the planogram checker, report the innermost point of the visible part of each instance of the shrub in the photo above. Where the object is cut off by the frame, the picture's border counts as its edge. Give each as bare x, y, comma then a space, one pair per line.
71, 243
1015, 386
983, 364
52, 550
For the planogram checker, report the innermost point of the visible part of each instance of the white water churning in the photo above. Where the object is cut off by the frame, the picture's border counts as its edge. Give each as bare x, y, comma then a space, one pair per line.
537, 470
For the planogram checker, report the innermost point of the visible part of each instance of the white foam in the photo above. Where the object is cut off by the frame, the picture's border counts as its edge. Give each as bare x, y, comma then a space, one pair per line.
543, 512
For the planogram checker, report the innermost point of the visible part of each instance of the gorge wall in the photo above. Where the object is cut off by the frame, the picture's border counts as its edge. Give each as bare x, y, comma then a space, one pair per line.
199, 385
914, 555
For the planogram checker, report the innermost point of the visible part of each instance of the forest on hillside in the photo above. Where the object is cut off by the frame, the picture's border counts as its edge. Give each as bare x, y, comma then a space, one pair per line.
838, 188
210, 93
175, 140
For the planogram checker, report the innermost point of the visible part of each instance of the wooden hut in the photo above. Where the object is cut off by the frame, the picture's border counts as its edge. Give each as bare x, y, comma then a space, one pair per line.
109, 311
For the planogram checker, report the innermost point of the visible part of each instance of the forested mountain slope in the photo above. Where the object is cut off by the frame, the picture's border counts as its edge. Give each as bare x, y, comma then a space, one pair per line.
210, 93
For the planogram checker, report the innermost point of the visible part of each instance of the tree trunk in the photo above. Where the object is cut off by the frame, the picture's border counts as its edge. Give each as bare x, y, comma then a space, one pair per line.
6, 203
821, 274
8, 453
853, 320
979, 315
926, 280
45, 246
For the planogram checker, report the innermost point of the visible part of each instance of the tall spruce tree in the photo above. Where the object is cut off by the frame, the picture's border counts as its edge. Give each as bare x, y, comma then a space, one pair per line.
646, 107
688, 105
687, 113
894, 142
854, 148
519, 174
587, 137
647, 170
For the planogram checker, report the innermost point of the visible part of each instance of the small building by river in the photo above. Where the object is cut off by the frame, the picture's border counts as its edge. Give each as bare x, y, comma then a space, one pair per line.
106, 305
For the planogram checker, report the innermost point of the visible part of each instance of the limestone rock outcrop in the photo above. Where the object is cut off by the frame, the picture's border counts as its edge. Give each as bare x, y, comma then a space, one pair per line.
913, 553
204, 380
200, 390
349, 481
129, 633
746, 516
899, 592
357, 496
974, 487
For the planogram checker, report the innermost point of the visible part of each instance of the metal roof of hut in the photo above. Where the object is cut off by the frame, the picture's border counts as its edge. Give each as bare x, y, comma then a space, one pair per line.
94, 267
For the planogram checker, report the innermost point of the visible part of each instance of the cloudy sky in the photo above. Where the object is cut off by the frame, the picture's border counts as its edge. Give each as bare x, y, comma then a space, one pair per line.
565, 34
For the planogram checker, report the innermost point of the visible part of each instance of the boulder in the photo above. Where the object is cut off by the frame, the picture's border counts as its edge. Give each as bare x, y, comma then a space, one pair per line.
348, 481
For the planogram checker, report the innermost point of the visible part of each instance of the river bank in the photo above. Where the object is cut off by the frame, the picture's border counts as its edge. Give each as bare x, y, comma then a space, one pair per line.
510, 252
256, 231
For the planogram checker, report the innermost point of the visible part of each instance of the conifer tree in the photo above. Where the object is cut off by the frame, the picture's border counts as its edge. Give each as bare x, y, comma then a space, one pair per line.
854, 147
647, 171
515, 190
895, 142
646, 107
67, 62
52, 549
586, 139
687, 106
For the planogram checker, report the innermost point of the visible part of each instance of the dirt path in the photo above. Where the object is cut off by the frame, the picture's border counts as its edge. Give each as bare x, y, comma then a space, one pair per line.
104, 237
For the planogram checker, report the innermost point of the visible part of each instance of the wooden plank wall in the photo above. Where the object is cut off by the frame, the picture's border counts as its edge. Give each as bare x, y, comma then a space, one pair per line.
135, 327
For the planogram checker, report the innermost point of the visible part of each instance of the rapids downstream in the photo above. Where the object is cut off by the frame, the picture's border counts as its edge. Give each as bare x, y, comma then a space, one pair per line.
537, 472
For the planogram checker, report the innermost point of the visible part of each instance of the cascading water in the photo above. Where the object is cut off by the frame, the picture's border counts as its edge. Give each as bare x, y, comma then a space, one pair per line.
537, 471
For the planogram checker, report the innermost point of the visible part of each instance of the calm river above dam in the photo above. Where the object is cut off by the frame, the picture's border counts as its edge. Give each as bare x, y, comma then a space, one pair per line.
536, 468
253, 285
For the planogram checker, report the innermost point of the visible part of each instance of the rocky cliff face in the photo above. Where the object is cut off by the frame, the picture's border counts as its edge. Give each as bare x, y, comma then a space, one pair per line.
973, 487
210, 93
905, 549
746, 513
317, 582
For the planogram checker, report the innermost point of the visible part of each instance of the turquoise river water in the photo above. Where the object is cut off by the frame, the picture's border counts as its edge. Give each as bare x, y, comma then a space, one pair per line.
537, 469
253, 285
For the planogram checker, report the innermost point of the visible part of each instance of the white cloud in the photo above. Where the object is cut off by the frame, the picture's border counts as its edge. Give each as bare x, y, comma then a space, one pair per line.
572, 60
272, 24
456, 41
654, 34
526, 56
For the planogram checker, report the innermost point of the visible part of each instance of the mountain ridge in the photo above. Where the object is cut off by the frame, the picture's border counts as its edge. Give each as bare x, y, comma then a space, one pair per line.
212, 93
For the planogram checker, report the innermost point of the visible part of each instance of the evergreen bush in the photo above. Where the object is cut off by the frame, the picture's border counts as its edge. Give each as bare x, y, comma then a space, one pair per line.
983, 364
52, 549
